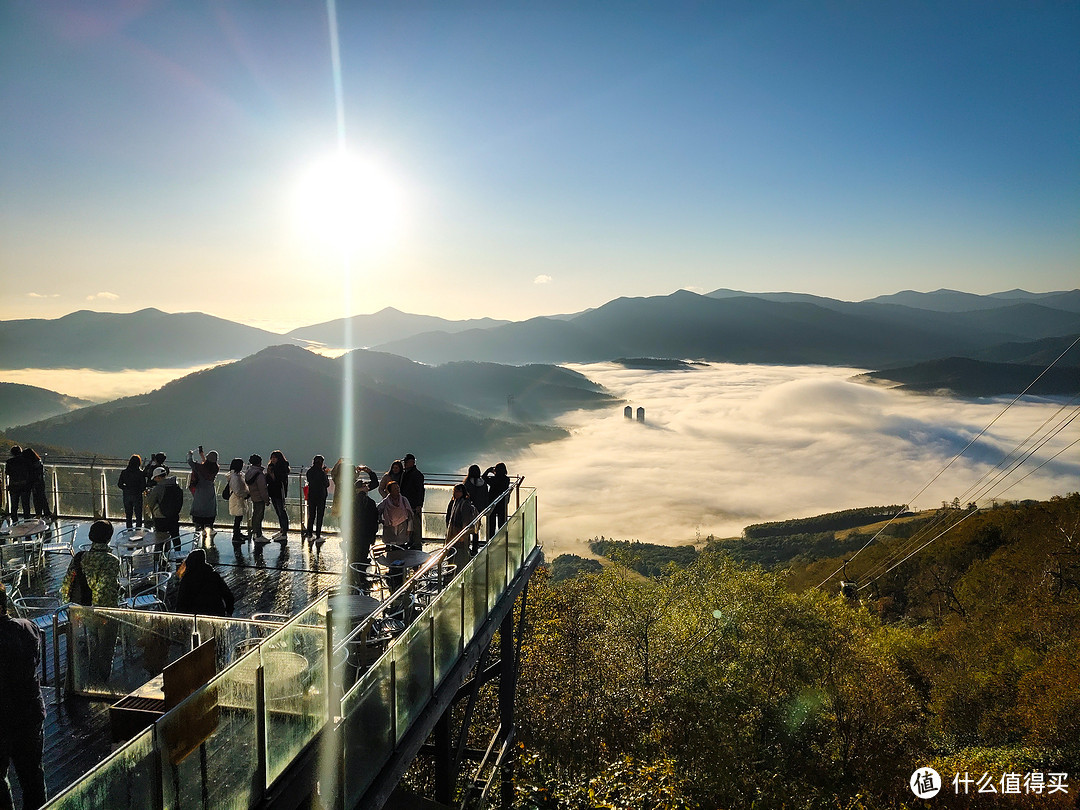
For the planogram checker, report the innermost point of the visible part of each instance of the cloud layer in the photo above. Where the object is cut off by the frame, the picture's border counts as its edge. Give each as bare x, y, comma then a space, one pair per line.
728, 445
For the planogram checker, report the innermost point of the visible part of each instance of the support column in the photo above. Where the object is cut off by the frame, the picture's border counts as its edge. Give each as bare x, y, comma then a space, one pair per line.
507, 688
445, 778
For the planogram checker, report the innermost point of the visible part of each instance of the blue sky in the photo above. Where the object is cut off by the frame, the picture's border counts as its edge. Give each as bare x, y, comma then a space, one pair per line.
548, 156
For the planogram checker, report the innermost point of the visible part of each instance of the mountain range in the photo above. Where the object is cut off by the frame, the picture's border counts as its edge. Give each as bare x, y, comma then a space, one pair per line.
285, 397
724, 325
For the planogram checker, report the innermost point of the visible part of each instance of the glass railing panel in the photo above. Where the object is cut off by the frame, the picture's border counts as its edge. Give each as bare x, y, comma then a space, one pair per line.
209, 743
126, 779
496, 580
474, 585
529, 514
368, 728
414, 682
446, 616
114, 651
233, 637
296, 679
515, 542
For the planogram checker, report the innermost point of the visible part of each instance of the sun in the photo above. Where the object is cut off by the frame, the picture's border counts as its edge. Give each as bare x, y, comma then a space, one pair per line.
348, 204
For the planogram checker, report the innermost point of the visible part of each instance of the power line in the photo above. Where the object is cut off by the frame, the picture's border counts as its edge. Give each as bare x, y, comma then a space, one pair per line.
953, 460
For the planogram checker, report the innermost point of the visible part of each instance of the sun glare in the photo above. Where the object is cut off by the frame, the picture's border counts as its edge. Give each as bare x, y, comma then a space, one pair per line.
348, 204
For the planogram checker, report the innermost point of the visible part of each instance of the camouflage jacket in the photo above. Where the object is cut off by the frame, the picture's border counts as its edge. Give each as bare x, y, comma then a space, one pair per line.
102, 568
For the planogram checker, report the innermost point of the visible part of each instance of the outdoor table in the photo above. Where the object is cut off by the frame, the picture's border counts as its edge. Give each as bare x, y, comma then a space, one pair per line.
403, 558
356, 606
27, 529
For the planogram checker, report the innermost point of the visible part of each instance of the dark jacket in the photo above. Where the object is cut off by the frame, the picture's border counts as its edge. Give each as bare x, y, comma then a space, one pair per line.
412, 487
18, 473
132, 480
277, 480
478, 492
202, 590
21, 703
318, 484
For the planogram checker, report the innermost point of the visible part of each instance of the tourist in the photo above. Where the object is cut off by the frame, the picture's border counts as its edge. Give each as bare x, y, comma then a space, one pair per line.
477, 488
460, 512
412, 489
393, 474
202, 590
164, 503
156, 460
318, 486
36, 471
277, 486
18, 478
365, 517
92, 578
498, 483
203, 490
395, 512
255, 478
22, 709
132, 483
238, 495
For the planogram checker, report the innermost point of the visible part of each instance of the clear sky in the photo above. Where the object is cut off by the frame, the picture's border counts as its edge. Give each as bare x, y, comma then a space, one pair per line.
543, 156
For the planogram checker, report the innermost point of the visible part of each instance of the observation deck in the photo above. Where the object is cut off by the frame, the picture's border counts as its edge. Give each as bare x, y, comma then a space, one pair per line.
324, 709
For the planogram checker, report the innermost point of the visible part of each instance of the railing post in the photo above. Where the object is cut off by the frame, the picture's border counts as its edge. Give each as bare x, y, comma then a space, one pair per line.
55, 494
260, 730
104, 498
331, 692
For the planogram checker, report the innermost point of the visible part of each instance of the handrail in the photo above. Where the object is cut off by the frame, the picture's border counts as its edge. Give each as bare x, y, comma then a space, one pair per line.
429, 564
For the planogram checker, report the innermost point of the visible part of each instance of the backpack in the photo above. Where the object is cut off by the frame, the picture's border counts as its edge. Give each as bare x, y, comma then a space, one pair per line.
172, 501
80, 591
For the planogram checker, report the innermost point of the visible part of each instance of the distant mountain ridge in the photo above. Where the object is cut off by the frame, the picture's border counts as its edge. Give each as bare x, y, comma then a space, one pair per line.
24, 403
109, 341
288, 398
386, 324
965, 377
743, 328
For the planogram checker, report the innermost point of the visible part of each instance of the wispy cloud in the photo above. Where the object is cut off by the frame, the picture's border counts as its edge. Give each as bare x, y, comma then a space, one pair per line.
42, 295
725, 446
542, 279
103, 296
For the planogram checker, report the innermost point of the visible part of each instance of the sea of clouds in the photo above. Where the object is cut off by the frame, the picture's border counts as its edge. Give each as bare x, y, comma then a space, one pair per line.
726, 445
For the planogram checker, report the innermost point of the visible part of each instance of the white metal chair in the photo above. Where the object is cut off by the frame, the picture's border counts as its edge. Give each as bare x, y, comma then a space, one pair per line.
61, 539
152, 594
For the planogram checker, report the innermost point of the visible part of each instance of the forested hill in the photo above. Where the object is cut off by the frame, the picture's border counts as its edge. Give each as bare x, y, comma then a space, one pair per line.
720, 685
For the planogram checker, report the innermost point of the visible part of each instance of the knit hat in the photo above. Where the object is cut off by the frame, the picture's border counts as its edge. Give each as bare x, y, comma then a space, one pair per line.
101, 531
160, 471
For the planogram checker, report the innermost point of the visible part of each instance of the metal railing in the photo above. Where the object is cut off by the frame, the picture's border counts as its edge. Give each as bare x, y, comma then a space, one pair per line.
227, 743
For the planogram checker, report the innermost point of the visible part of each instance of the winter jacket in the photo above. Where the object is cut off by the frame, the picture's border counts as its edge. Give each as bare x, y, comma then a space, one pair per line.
459, 514
412, 487
277, 479
131, 481
238, 494
255, 479
478, 493
202, 590
204, 498
102, 571
20, 695
18, 473
152, 501
394, 514
318, 484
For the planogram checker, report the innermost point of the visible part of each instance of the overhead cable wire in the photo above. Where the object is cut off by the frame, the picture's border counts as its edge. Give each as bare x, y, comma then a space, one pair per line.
953, 460
874, 577
978, 491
